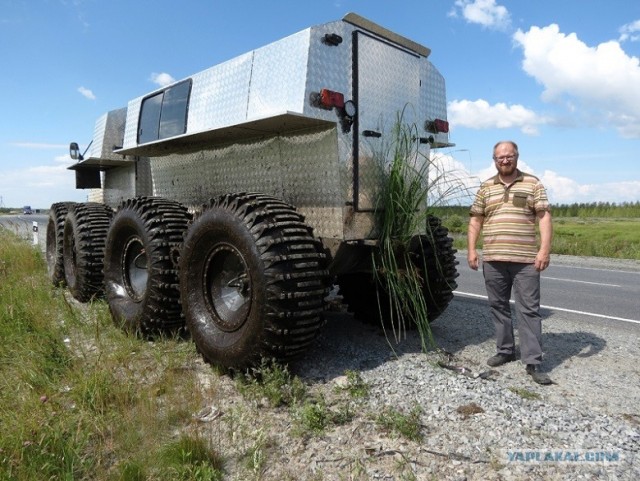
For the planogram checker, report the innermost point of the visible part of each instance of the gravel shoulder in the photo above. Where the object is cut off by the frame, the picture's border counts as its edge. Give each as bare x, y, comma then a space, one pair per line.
477, 423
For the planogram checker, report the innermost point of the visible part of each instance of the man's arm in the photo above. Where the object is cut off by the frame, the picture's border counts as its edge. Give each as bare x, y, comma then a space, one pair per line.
473, 233
546, 234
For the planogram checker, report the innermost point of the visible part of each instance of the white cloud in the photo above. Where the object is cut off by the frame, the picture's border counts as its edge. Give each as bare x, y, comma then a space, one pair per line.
483, 12
85, 92
603, 79
457, 185
563, 190
630, 31
162, 79
39, 186
479, 114
450, 181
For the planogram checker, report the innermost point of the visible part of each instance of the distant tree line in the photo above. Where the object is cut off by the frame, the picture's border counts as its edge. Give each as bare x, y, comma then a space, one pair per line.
582, 209
597, 209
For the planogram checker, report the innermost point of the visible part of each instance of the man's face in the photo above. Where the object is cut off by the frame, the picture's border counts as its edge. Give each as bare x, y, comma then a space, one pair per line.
506, 159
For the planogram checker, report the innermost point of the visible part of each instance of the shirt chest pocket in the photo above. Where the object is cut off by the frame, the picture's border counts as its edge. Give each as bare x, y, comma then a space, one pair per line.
521, 199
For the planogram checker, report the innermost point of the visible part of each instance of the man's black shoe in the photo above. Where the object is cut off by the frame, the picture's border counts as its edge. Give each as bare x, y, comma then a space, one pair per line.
500, 359
537, 376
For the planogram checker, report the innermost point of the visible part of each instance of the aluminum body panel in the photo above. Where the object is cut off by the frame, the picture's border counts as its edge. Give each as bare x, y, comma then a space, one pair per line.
108, 135
388, 92
433, 100
219, 96
252, 126
301, 169
119, 184
278, 80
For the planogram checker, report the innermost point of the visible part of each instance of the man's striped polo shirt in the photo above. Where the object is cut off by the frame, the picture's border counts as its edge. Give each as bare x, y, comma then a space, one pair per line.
509, 213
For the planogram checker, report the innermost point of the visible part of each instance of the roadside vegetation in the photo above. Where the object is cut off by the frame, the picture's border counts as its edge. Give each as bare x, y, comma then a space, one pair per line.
82, 400
595, 230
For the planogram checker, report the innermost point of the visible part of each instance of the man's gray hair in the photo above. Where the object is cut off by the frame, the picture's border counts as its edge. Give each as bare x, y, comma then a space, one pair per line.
515, 146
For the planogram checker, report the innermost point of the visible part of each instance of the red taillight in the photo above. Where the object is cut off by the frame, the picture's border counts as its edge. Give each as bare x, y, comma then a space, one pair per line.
330, 99
442, 125
437, 126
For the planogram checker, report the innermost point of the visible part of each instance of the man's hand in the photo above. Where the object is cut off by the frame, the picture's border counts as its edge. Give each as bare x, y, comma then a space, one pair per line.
542, 261
472, 259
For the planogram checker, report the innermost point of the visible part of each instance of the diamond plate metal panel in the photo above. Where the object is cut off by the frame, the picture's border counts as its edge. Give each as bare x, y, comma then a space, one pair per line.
278, 81
219, 95
434, 99
119, 184
144, 182
131, 127
388, 90
302, 169
107, 134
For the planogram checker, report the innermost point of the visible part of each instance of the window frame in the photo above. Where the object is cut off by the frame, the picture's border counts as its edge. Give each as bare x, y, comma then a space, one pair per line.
164, 127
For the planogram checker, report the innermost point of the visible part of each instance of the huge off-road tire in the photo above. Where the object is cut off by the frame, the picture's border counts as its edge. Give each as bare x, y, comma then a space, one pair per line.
141, 281
253, 280
85, 232
55, 236
435, 260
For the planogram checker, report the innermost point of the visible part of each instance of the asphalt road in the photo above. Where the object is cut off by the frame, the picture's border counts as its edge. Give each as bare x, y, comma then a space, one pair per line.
22, 225
594, 293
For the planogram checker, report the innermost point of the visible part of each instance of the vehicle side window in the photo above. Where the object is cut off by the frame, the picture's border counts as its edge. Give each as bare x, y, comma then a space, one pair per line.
173, 119
164, 114
150, 118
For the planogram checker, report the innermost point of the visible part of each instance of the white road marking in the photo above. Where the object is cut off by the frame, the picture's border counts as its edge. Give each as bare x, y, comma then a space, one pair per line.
572, 311
581, 282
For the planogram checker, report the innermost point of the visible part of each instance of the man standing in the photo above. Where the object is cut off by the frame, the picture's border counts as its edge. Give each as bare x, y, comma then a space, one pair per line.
507, 207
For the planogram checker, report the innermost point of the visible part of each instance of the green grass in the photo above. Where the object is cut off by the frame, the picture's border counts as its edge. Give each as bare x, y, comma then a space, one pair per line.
357, 387
402, 215
272, 382
400, 423
617, 238
409, 190
81, 400
525, 393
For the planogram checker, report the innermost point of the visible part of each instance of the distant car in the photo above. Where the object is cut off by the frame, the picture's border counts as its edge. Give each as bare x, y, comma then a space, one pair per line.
27, 210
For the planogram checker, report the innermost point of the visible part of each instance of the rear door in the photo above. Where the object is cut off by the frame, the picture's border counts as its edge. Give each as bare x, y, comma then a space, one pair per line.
387, 89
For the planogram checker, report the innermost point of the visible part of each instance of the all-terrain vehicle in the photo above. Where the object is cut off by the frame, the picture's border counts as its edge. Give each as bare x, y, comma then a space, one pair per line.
232, 200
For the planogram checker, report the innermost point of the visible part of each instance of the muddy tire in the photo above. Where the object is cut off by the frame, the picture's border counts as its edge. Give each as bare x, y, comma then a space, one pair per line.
140, 278
435, 259
253, 280
55, 237
85, 232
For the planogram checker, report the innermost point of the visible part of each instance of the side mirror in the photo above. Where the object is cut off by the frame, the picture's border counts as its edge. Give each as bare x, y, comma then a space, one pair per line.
74, 151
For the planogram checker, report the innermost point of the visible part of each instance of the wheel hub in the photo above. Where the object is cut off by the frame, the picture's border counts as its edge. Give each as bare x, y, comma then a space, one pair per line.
135, 268
228, 287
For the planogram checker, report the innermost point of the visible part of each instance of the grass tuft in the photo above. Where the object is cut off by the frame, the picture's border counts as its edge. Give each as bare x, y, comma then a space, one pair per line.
525, 393
403, 424
273, 382
357, 387
190, 459
412, 181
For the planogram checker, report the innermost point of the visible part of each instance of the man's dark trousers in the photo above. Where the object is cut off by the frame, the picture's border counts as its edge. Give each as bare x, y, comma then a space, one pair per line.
500, 278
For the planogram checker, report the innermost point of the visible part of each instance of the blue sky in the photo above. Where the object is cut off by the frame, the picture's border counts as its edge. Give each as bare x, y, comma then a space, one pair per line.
561, 78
